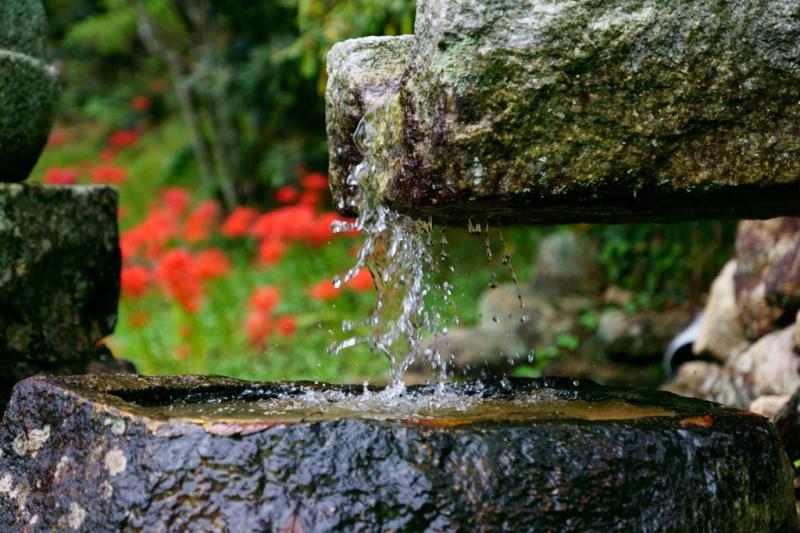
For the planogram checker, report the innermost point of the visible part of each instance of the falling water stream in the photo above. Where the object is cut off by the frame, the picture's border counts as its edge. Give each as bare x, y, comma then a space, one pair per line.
398, 251
402, 256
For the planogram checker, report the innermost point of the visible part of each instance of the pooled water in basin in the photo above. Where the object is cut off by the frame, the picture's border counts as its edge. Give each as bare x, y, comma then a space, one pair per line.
434, 407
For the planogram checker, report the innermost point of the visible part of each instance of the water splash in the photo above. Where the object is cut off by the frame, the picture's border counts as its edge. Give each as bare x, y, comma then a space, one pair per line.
398, 253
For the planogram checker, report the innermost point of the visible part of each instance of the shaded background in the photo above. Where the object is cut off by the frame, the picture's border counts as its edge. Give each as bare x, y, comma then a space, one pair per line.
209, 117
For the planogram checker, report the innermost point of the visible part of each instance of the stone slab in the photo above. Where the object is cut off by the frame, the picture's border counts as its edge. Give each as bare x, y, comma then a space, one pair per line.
59, 277
563, 111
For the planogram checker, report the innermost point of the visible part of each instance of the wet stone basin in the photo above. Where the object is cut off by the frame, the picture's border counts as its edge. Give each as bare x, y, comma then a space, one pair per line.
131, 453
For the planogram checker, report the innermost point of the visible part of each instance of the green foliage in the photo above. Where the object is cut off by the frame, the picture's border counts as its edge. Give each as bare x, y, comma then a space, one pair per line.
265, 60
665, 264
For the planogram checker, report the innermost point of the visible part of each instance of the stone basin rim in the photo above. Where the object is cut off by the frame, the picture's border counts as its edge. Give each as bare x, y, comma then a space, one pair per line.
133, 397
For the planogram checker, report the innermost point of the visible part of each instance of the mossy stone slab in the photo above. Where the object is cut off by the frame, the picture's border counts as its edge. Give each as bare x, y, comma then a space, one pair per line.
59, 277
563, 111
110, 453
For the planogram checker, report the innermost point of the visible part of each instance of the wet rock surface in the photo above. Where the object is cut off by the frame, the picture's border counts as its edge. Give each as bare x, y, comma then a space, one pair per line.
29, 88
59, 277
104, 454
549, 112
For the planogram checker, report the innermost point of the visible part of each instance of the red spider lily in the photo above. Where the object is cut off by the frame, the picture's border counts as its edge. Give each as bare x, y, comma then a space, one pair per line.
142, 104
362, 282
322, 233
265, 298
239, 222
198, 225
313, 198
151, 237
135, 280
58, 137
211, 264
139, 319
108, 155
182, 352
108, 174
258, 327
324, 290
61, 176
316, 182
186, 331
176, 199
287, 195
271, 251
123, 139
289, 223
287, 325
179, 280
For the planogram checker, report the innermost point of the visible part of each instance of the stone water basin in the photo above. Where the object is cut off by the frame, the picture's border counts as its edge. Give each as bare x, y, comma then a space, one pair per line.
100, 453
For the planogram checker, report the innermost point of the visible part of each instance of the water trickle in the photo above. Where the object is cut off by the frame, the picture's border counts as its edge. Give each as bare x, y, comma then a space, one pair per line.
398, 253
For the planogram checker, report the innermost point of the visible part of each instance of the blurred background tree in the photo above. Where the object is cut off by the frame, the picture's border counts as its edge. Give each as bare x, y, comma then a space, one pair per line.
247, 78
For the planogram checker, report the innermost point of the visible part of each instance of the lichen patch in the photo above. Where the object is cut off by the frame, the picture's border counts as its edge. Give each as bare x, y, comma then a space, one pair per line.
115, 461
77, 515
37, 438
117, 425
62, 464
6, 484
32, 442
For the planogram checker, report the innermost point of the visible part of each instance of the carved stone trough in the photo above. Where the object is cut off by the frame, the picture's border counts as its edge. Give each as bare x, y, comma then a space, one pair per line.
212, 454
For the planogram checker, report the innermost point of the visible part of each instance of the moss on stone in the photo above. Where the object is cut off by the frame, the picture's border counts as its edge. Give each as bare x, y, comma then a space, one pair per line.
59, 277
29, 92
23, 27
598, 111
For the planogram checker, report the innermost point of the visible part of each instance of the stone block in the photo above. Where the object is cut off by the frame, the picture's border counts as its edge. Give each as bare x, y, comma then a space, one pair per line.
211, 454
59, 277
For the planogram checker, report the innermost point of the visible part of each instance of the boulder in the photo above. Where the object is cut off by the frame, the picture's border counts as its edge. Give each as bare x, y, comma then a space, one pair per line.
29, 88
474, 352
641, 336
769, 367
59, 277
210, 454
568, 263
562, 111
721, 333
769, 405
767, 278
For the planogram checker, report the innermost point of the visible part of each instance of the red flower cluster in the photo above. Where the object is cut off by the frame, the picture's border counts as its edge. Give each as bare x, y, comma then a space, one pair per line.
325, 290
108, 174
61, 176
123, 139
141, 104
299, 219
261, 323
179, 272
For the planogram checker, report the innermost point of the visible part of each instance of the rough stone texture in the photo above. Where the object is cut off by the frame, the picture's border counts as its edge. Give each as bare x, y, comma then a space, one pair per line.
29, 88
59, 277
78, 452
721, 333
767, 278
564, 111
366, 70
